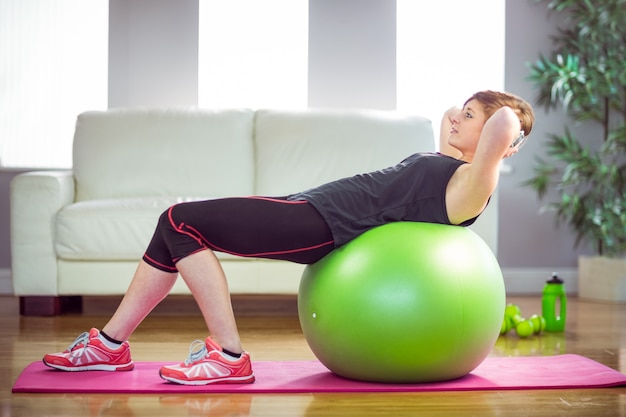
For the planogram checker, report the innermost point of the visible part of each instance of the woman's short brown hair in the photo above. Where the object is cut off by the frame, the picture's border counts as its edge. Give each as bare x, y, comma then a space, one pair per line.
493, 100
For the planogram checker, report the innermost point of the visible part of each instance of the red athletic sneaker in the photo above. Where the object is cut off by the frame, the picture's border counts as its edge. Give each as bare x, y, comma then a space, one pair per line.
88, 353
207, 364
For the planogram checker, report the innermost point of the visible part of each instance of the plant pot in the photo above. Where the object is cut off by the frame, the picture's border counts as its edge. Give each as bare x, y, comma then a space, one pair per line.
602, 279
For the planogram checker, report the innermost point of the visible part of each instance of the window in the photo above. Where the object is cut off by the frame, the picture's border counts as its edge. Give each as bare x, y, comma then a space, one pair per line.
446, 51
253, 53
53, 66
54, 63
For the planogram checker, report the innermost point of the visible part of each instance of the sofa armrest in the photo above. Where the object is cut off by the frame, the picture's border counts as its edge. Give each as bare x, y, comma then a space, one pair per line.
36, 197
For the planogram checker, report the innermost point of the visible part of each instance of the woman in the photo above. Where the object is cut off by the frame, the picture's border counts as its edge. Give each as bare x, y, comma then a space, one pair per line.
451, 187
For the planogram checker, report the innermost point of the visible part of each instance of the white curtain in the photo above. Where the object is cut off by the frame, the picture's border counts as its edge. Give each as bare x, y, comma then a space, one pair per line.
53, 66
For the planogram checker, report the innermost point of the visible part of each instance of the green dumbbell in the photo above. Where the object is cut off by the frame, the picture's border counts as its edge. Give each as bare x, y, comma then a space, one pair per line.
510, 311
513, 319
539, 323
524, 328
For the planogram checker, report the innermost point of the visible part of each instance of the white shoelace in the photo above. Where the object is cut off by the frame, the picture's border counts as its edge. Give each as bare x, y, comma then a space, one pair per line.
82, 338
197, 351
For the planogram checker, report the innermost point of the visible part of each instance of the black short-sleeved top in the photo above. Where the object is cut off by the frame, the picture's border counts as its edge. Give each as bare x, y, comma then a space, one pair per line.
413, 190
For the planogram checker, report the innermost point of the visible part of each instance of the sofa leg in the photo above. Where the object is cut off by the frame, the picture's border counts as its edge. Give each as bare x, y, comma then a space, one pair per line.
50, 305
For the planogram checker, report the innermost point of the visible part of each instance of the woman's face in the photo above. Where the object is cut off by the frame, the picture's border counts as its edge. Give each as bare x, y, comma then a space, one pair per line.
467, 127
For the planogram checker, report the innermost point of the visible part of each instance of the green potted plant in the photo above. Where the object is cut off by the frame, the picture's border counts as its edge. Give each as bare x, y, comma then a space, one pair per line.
585, 76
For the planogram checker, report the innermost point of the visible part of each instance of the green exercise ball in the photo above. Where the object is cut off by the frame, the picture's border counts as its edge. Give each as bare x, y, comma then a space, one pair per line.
405, 302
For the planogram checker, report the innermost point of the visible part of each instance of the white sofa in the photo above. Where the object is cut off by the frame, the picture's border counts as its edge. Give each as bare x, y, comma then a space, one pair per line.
81, 231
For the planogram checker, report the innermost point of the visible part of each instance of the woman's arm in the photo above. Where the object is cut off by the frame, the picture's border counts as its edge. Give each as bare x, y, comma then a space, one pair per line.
471, 186
499, 132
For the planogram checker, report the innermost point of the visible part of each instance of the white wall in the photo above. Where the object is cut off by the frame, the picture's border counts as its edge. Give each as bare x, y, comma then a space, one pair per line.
530, 245
153, 53
352, 53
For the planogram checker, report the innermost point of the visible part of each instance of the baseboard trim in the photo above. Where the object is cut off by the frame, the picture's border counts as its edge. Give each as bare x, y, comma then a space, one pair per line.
6, 286
530, 281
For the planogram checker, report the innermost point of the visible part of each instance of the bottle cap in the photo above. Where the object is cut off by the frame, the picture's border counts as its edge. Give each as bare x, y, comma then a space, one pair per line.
555, 279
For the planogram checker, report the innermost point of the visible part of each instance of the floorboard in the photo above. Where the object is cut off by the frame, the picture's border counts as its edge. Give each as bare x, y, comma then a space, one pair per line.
270, 331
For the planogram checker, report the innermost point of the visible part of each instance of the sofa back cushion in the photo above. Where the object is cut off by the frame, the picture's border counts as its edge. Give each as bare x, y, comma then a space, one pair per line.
297, 150
167, 152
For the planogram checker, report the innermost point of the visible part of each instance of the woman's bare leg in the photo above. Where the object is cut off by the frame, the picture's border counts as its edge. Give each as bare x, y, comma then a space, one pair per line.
203, 274
147, 289
205, 278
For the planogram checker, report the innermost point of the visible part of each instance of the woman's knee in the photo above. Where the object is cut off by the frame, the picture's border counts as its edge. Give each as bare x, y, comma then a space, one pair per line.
164, 219
167, 224
179, 224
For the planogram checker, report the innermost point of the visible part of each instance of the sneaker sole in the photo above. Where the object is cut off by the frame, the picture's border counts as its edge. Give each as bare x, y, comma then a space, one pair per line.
249, 379
99, 367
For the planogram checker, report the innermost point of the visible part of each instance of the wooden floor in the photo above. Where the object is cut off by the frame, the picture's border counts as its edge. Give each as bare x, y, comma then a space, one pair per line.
270, 331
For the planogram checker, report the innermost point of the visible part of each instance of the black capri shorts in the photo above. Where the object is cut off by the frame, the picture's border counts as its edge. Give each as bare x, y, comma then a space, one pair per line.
258, 227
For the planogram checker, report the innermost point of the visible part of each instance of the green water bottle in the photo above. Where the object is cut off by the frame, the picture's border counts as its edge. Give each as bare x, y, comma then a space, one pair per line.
553, 297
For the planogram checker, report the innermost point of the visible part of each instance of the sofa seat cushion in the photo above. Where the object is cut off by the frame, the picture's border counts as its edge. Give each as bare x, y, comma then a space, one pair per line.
110, 230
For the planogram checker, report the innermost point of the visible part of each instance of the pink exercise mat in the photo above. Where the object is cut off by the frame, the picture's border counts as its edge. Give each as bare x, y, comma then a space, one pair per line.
495, 373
